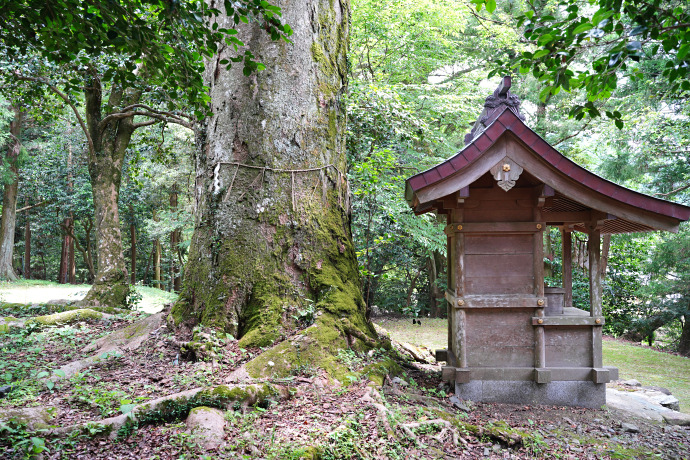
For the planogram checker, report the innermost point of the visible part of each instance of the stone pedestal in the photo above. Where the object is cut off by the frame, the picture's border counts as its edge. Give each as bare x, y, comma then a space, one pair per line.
563, 393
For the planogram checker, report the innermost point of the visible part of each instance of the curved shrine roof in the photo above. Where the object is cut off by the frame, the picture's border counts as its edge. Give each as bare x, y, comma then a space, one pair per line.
628, 210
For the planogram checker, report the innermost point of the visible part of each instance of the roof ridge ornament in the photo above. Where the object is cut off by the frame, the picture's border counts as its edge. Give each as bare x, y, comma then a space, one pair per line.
501, 97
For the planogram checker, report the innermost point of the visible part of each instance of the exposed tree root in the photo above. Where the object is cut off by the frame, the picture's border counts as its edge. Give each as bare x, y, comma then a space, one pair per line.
114, 344
373, 398
65, 317
130, 337
178, 405
450, 426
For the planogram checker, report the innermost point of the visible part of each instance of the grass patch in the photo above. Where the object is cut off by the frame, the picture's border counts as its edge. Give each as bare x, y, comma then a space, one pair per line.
651, 367
433, 332
153, 298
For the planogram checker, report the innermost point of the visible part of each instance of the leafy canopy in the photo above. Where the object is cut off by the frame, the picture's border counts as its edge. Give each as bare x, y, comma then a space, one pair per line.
114, 38
611, 37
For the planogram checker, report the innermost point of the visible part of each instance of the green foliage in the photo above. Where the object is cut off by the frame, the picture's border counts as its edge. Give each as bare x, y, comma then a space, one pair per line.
414, 71
614, 39
112, 39
19, 440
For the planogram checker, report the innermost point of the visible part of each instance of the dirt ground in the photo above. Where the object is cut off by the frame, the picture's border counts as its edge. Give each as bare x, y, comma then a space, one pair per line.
335, 420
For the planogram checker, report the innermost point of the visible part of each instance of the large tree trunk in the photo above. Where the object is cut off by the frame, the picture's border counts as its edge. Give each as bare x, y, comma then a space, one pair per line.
111, 286
157, 255
268, 242
9, 200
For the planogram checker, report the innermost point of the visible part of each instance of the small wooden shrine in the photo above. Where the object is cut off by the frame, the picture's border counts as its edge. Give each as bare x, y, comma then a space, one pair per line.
510, 338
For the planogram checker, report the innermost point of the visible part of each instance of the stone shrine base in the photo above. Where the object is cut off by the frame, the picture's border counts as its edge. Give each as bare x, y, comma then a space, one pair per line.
560, 393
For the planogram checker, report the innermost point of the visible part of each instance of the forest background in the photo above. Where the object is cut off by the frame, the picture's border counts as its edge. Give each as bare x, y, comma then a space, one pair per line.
417, 81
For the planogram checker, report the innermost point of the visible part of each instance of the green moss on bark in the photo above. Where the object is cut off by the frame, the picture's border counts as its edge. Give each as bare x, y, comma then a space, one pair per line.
113, 292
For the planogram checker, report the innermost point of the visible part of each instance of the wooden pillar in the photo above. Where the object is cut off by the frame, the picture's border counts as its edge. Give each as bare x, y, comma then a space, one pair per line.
461, 328
595, 291
450, 242
595, 288
538, 248
460, 317
567, 240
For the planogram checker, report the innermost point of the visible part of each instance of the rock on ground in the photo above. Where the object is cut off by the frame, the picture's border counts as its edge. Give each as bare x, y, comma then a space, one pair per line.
208, 425
676, 418
35, 418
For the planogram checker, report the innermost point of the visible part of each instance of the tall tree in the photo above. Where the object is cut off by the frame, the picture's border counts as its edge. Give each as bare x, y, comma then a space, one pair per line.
9, 198
135, 63
272, 249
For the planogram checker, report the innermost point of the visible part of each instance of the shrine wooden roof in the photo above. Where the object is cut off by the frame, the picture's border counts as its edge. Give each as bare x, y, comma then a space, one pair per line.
500, 132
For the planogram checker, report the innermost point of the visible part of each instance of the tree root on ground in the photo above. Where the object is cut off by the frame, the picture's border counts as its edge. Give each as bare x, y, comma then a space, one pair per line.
497, 432
177, 406
65, 317
114, 344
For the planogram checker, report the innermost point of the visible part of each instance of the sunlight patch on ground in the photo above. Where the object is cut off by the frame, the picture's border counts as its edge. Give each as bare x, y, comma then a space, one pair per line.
36, 291
432, 333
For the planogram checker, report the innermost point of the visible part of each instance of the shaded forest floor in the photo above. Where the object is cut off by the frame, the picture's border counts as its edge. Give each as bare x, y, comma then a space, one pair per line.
411, 416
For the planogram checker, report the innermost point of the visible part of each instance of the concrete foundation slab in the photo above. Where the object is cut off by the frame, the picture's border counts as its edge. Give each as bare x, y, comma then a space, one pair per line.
560, 393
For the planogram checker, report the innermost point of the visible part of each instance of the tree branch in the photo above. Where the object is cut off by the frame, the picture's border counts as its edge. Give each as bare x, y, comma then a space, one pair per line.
64, 97
572, 135
130, 111
42, 203
679, 189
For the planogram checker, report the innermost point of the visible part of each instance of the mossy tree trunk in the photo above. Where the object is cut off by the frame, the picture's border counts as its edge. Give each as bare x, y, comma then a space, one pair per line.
272, 244
110, 141
9, 199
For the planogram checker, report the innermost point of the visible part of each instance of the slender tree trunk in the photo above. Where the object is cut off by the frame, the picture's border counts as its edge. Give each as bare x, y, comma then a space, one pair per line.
148, 265
157, 265
27, 244
605, 248
9, 200
267, 239
133, 240
72, 260
433, 263
175, 237
684, 343
67, 252
157, 259
67, 272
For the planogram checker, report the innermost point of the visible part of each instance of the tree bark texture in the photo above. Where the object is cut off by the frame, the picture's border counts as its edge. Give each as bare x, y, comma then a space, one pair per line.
269, 242
111, 286
9, 200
